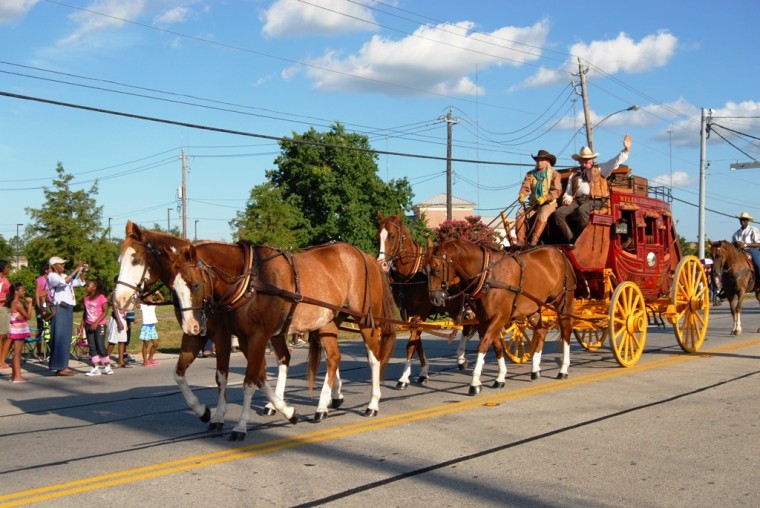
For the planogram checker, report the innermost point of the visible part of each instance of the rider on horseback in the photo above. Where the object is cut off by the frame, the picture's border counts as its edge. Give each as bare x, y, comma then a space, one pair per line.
748, 238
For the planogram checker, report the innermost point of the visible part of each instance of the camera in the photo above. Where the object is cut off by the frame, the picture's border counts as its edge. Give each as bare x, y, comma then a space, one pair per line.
85, 267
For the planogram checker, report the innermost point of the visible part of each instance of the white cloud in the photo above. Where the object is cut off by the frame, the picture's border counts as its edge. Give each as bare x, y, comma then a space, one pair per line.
107, 14
679, 179
434, 59
288, 18
621, 54
12, 10
172, 16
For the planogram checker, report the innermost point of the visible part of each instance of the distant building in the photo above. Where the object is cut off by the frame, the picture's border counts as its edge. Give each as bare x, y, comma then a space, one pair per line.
22, 262
434, 209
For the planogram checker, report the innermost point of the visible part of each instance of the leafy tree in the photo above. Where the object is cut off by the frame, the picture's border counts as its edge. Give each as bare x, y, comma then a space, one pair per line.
471, 229
331, 177
68, 224
270, 218
6, 249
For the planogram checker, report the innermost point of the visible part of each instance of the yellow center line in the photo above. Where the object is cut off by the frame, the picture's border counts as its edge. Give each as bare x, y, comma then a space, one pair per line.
204, 460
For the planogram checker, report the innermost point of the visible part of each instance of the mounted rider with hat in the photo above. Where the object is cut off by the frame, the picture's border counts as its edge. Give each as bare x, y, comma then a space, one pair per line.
748, 238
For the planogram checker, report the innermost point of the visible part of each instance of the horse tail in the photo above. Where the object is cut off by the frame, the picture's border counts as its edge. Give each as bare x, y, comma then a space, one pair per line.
314, 358
387, 328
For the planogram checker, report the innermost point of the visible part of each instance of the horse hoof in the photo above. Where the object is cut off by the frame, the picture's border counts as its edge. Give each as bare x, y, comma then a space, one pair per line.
535, 375
401, 386
422, 380
474, 390
371, 412
336, 403
215, 427
462, 366
562, 375
268, 411
237, 436
498, 384
320, 416
294, 419
206, 416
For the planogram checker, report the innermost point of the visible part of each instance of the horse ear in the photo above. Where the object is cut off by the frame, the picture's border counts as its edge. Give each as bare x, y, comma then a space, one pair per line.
379, 215
132, 229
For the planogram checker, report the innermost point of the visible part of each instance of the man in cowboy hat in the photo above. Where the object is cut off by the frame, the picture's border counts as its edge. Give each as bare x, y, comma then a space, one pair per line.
748, 237
587, 188
541, 187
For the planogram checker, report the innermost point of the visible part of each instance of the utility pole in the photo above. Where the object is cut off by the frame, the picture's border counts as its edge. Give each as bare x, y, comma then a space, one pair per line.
183, 194
449, 124
586, 109
704, 134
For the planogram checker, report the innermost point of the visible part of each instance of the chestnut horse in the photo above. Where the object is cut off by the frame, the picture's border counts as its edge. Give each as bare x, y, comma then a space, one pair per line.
403, 259
733, 269
143, 263
504, 288
268, 292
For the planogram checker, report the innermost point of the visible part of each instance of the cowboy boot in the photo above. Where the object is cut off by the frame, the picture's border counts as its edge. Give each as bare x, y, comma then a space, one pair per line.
520, 231
564, 229
538, 228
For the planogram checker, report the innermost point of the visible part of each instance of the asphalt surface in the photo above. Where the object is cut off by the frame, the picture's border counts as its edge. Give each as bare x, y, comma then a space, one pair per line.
676, 430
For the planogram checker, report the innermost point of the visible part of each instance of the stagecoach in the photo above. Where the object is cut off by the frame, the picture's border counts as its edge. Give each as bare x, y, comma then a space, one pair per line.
630, 273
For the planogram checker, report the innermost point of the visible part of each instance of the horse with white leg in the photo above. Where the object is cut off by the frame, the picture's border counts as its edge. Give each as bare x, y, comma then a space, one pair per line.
268, 292
503, 288
403, 259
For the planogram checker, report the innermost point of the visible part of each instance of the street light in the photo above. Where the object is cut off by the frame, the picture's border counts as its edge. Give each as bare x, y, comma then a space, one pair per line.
18, 249
168, 225
591, 138
196, 231
109, 229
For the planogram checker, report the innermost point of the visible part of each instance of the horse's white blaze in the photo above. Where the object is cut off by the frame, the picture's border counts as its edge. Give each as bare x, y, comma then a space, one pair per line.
192, 401
190, 325
129, 274
381, 256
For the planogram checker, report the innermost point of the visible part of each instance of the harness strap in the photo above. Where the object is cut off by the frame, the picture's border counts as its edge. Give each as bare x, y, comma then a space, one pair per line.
235, 298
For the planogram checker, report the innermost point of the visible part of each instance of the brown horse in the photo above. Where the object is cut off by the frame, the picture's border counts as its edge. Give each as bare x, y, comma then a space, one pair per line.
733, 270
143, 264
504, 288
403, 259
268, 292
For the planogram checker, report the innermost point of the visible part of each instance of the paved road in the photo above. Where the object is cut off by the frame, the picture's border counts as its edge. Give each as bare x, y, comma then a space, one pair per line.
676, 430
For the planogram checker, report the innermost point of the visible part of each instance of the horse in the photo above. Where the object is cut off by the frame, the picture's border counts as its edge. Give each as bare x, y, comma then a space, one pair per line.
142, 265
733, 268
503, 288
268, 292
402, 258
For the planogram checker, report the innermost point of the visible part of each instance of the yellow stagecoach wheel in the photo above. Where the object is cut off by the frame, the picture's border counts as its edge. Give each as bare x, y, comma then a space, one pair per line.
517, 346
690, 296
628, 324
592, 338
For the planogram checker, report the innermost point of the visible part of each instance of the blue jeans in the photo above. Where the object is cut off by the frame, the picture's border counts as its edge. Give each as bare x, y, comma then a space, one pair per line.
755, 254
61, 329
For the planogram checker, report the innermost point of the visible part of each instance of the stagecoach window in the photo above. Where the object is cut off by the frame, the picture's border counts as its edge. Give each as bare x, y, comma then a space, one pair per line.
625, 233
651, 231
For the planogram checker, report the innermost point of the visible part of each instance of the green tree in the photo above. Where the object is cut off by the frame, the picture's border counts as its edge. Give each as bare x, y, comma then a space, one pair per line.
332, 178
6, 249
68, 224
270, 218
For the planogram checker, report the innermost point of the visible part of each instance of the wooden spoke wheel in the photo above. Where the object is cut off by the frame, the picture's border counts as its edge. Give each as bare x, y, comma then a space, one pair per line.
690, 296
592, 338
517, 346
628, 324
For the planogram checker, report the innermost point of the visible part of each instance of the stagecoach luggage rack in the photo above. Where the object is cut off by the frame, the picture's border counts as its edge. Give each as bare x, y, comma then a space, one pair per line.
637, 185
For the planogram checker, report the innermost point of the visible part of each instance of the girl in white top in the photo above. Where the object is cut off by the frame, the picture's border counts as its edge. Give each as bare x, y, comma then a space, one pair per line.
148, 332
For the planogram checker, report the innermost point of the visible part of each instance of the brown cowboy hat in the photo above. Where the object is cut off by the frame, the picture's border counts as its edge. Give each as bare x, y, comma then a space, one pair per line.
543, 154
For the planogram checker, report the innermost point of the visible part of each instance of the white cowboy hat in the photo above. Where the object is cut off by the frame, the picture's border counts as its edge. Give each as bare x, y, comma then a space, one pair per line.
707, 261
747, 216
585, 153
56, 260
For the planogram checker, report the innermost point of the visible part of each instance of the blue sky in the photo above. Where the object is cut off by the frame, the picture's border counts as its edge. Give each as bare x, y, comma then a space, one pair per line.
389, 69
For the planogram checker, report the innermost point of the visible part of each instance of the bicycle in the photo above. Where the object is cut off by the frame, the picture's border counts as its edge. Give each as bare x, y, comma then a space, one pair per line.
80, 348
